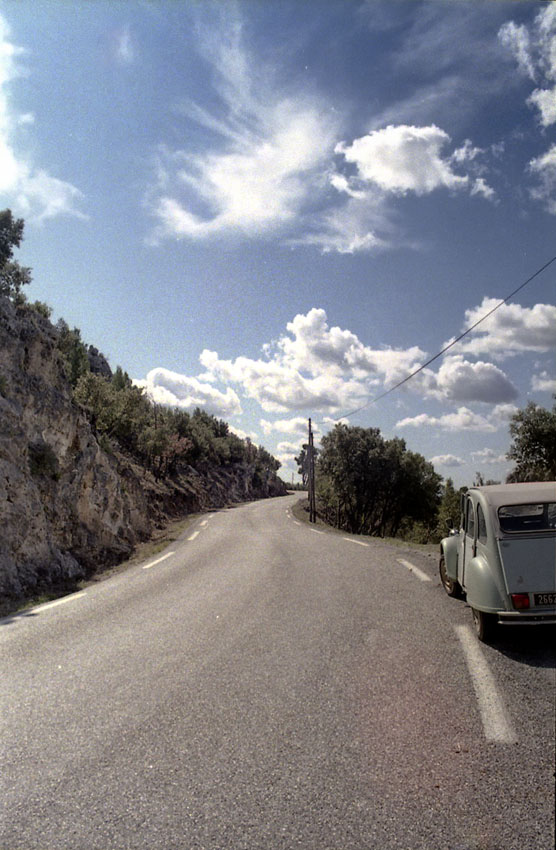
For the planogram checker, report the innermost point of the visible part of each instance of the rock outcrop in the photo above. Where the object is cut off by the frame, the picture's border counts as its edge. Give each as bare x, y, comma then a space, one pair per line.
67, 507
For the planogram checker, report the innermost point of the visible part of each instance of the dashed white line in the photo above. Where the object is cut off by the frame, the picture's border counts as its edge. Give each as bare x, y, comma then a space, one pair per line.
158, 560
204, 523
496, 724
71, 598
194, 535
295, 522
314, 530
412, 568
359, 542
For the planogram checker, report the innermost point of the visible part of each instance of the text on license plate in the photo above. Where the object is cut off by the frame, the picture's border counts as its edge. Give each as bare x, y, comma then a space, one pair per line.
545, 598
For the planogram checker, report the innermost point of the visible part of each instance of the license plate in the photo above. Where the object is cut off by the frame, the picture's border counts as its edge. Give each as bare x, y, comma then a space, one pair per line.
544, 598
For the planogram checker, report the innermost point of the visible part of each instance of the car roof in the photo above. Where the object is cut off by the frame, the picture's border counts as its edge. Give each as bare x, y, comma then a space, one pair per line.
518, 494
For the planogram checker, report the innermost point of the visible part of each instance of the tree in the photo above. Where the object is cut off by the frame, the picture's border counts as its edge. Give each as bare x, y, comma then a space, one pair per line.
74, 352
12, 275
373, 486
449, 509
533, 430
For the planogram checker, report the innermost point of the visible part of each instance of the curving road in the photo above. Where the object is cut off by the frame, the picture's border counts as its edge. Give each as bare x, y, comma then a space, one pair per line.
263, 685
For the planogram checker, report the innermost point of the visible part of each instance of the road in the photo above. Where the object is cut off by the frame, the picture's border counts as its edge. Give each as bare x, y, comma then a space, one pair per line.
262, 685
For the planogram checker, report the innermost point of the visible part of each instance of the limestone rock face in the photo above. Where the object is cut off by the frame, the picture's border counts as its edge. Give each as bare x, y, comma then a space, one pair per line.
67, 507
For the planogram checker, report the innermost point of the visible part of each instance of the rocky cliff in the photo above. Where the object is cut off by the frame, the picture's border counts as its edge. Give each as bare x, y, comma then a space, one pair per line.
67, 507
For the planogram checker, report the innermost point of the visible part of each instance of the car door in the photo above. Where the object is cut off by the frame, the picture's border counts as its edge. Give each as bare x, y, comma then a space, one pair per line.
469, 536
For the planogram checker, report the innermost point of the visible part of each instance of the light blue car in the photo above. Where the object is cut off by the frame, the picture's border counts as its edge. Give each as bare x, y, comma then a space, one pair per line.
503, 558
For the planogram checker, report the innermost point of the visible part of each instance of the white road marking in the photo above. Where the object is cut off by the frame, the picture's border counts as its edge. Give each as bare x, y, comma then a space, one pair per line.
194, 535
359, 542
56, 602
412, 568
496, 724
204, 523
158, 560
295, 522
314, 530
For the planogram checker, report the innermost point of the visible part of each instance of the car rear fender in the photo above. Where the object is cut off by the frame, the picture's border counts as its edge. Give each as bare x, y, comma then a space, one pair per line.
482, 587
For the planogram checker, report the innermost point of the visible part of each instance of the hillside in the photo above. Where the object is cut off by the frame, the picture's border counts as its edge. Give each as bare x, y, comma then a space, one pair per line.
73, 497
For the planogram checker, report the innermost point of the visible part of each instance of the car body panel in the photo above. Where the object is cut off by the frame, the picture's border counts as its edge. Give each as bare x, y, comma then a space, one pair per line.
527, 565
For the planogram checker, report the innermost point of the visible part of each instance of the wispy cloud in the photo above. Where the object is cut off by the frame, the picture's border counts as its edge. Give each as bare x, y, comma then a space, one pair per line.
534, 48
273, 162
266, 152
125, 47
29, 189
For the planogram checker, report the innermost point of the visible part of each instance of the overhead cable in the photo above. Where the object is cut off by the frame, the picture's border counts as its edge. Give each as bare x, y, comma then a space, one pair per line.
447, 347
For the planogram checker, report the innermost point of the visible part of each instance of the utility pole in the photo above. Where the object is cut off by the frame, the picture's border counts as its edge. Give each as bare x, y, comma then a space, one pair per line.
312, 496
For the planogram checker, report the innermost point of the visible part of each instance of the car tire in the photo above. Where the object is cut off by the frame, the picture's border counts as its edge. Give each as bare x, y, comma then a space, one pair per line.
451, 586
485, 625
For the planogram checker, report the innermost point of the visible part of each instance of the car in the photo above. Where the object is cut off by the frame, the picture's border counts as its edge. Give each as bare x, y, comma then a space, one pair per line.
503, 558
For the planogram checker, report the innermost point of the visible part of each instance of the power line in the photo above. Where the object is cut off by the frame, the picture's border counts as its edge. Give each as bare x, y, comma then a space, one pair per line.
447, 347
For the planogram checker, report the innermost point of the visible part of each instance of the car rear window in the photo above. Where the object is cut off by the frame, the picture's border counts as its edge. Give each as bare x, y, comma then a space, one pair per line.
538, 517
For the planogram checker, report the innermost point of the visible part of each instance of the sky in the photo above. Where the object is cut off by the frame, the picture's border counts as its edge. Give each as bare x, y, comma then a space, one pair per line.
277, 210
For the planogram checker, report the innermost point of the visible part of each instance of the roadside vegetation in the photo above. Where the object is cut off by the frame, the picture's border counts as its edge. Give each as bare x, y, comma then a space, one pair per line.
367, 485
161, 439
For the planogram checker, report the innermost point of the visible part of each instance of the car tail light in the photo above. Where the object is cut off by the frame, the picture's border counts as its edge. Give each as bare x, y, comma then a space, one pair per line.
520, 601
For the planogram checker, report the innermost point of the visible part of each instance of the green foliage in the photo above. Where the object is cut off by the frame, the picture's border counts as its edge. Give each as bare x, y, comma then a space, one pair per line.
302, 461
369, 485
74, 352
533, 430
42, 309
12, 275
121, 379
449, 509
163, 439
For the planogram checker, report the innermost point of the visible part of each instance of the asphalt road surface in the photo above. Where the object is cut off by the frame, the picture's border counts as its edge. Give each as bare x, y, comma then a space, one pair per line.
262, 685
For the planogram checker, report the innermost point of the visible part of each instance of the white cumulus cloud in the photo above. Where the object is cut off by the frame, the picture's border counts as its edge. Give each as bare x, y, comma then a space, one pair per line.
403, 159
488, 456
176, 390
463, 420
510, 330
447, 460
544, 382
459, 380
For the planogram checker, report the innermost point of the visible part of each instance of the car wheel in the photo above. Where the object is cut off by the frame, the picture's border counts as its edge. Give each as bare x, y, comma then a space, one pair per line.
451, 586
485, 625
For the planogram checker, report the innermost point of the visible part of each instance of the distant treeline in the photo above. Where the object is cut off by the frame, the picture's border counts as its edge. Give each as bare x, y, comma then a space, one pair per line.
160, 438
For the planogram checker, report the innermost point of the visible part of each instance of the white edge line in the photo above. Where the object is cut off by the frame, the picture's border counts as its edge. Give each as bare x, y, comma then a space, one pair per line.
412, 568
359, 542
56, 602
496, 724
158, 560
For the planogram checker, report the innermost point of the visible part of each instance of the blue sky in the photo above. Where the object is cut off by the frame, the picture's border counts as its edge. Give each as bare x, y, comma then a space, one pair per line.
276, 210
